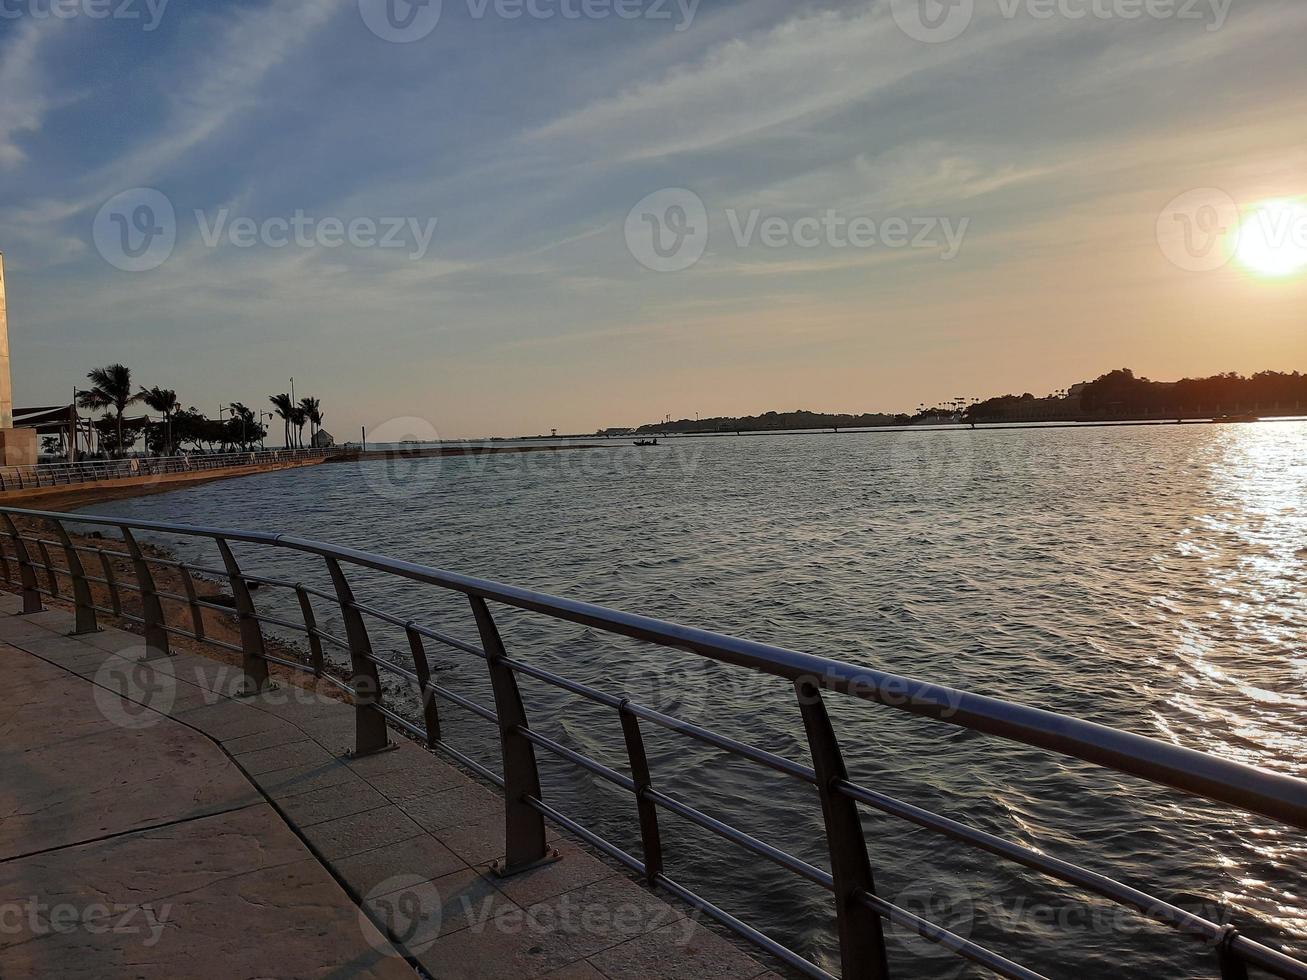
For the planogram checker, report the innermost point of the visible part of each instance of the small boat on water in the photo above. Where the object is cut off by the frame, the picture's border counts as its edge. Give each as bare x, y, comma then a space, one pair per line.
1238, 418
646, 442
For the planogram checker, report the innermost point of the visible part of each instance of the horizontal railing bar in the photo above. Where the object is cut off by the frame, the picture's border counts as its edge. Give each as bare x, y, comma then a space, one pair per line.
584, 761
726, 743
1063, 870
466, 703
447, 640
634, 864
743, 929
750, 843
331, 638
394, 668
557, 680
215, 606
932, 932
587, 835
293, 664
278, 621
403, 722
469, 763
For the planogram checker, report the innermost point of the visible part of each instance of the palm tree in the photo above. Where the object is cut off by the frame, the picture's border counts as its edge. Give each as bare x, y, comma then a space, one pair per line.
164, 401
111, 387
313, 409
246, 418
285, 408
298, 417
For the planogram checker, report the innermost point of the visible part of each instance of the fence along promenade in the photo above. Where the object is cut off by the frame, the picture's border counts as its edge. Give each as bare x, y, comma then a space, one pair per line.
99, 470
30, 539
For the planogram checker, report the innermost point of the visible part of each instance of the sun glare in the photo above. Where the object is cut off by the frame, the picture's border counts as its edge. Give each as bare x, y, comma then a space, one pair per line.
1273, 239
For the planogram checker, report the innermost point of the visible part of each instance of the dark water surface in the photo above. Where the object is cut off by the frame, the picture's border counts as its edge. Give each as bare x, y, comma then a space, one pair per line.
1151, 579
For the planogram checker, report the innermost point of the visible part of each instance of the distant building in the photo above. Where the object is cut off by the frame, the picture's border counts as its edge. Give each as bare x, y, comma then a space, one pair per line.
322, 439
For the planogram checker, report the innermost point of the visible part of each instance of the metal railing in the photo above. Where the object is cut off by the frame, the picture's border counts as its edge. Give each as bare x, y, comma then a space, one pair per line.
859, 910
92, 471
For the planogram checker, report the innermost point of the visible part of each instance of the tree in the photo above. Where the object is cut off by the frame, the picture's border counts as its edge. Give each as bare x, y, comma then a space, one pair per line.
299, 418
164, 401
111, 387
244, 429
313, 410
284, 408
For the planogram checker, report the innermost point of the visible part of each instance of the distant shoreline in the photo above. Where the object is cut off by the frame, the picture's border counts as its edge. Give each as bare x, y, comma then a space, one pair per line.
920, 427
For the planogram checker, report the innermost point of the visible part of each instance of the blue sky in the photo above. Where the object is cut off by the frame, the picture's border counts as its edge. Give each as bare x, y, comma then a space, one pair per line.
1051, 147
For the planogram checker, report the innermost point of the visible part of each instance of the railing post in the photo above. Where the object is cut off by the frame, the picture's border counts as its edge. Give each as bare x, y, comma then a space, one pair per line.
650, 840
156, 637
115, 603
193, 600
370, 732
430, 713
253, 663
311, 630
1232, 965
82, 601
51, 576
862, 940
26, 573
524, 826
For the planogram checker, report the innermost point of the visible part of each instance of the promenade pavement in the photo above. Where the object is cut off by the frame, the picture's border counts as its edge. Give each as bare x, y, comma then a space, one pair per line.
153, 824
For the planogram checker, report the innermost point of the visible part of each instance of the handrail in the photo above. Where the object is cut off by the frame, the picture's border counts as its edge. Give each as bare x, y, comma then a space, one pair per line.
1245, 787
41, 475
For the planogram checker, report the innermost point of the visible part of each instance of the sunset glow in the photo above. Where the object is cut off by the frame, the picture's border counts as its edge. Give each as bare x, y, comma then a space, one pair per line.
1273, 239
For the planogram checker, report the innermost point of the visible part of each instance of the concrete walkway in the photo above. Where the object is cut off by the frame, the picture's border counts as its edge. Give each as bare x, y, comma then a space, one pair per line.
152, 825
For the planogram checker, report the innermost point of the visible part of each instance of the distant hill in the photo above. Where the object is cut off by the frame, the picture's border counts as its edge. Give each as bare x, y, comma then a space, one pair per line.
775, 421
1120, 394
1116, 395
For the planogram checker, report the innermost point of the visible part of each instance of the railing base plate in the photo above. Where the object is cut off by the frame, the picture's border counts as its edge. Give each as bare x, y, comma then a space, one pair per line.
85, 632
501, 870
354, 754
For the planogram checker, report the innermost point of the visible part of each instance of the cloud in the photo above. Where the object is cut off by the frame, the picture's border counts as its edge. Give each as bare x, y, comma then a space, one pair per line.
812, 64
23, 101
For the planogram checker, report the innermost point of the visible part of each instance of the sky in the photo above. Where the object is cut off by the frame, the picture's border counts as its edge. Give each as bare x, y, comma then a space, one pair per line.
501, 217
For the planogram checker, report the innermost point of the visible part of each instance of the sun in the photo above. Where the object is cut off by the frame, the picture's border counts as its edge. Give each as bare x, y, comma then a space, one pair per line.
1273, 239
